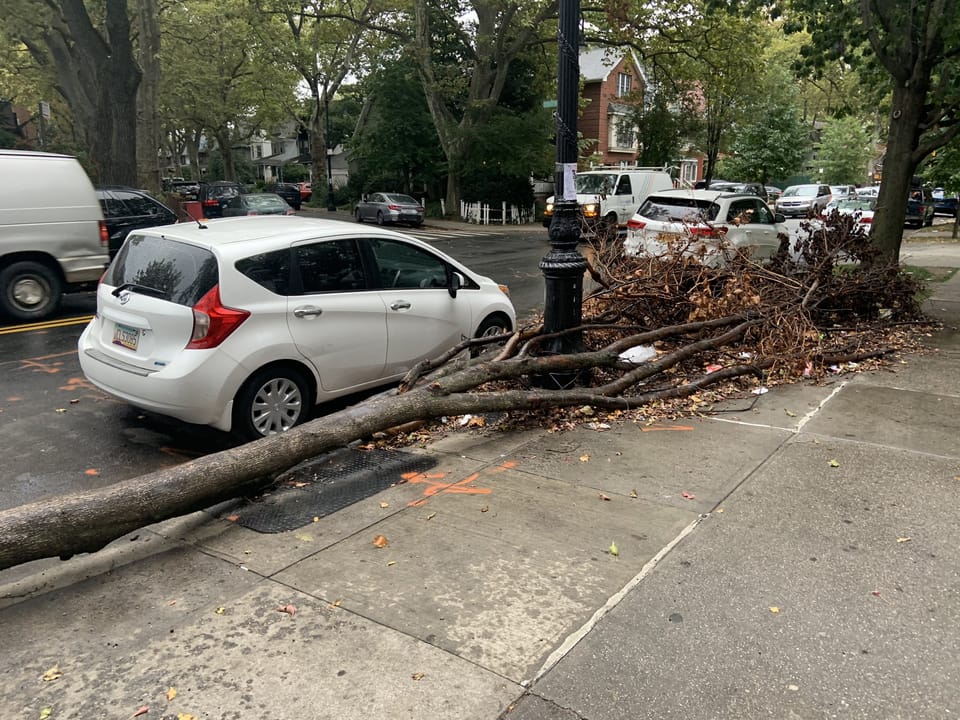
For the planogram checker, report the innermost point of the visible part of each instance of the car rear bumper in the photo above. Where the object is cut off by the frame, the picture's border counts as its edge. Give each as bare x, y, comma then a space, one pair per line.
196, 389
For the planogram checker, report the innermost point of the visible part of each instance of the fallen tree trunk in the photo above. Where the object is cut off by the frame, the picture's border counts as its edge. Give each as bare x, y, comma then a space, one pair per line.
86, 522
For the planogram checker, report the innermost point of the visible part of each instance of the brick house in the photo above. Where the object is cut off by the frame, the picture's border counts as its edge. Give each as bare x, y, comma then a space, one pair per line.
613, 82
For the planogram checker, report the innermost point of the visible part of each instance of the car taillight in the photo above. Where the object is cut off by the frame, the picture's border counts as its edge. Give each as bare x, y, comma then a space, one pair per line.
866, 220
635, 224
393, 207
421, 209
212, 322
252, 212
104, 235
211, 203
706, 231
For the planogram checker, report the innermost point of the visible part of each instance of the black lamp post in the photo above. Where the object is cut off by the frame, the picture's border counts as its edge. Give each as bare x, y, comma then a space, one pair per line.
563, 267
331, 203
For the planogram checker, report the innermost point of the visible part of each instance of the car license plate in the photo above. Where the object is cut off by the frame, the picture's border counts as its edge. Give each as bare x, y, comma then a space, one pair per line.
667, 237
125, 336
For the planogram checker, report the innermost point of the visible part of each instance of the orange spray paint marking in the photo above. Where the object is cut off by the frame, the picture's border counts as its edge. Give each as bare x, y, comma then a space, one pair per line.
78, 384
435, 486
36, 366
508, 465
668, 428
91, 471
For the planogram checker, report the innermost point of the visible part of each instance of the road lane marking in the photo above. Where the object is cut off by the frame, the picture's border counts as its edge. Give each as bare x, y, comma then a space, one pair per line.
46, 325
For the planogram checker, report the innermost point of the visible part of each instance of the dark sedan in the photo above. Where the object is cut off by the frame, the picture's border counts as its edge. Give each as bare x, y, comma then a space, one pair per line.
126, 209
944, 204
390, 208
288, 191
256, 204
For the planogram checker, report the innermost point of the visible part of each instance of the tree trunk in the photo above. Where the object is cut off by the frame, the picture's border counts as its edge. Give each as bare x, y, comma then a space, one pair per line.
899, 164
225, 143
149, 141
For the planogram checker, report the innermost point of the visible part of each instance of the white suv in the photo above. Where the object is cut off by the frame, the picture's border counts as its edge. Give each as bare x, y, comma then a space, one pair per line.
245, 323
706, 224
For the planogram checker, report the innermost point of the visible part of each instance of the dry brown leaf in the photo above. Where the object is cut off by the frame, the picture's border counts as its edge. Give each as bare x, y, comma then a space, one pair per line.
904, 539
603, 497
384, 505
584, 458
336, 603
186, 716
171, 694
485, 508
288, 609
380, 541
774, 609
143, 710
417, 676
53, 673
633, 494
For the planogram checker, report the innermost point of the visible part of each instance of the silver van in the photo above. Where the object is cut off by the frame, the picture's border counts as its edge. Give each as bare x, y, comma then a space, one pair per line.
52, 235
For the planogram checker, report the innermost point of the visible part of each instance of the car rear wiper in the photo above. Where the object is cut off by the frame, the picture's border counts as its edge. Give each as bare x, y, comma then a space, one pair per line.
142, 289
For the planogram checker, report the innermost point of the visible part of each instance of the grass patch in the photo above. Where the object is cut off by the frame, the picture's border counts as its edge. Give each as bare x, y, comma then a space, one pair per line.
930, 274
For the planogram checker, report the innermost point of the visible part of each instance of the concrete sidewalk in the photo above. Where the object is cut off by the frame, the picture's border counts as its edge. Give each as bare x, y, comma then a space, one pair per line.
791, 556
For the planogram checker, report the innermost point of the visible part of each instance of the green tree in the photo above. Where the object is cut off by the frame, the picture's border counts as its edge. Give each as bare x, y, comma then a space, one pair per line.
845, 149
90, 47
772, 141
914, 46
463, 98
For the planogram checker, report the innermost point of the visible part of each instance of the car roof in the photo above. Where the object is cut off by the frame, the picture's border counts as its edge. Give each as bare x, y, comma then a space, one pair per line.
704, 195
235, 237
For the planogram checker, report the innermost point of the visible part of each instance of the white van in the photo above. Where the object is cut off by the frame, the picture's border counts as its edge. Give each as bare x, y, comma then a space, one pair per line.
609, 196
52, 235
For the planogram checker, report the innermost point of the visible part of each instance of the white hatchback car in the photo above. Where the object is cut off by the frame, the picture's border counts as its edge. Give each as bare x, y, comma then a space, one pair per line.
246, 323
708, 224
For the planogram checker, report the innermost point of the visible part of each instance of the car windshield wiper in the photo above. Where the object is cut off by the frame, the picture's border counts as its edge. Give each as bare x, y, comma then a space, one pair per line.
142, 289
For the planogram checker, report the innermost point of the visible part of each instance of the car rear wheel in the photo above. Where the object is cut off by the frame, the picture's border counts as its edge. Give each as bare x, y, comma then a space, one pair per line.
273, 400
29, 290
358, 216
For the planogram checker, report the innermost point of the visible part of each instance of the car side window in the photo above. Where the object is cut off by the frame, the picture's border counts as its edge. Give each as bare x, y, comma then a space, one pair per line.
112, 207
400, 265
331, 266
623, 186
742, 212
269, 270
138, 204
763, 214
824, 190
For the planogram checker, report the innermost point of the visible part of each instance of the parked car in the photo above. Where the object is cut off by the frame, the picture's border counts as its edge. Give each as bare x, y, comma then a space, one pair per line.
861, 209
870, 191
749, 188
306, 191
52, 235
707, 224
390, 208
183, 189
843, 192
126, 209
245, 323
944, 203
256, 204
288, 191
920, 207
803, 200
213, 196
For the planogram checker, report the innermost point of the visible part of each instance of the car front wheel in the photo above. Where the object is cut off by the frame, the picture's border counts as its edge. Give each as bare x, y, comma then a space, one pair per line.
358, 216
493, 325
379, 218
272, 401
29, 290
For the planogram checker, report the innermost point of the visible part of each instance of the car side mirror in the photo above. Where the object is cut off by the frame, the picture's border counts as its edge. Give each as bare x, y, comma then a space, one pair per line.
457, 281
780, 218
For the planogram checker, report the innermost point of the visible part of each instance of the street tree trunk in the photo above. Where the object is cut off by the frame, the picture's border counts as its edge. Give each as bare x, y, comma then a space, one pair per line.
149, 140
98, 76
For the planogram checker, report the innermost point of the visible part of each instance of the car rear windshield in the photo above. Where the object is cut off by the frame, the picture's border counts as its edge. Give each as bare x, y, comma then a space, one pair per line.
183, 273
402, 199
264, 202
679, 209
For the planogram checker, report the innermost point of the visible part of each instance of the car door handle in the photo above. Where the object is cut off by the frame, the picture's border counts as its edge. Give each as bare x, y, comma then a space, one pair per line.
400, 305
307, 311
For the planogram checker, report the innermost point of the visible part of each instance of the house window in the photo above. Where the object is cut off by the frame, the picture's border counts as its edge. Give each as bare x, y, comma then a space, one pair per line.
257, 152
624, 84
623, 133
